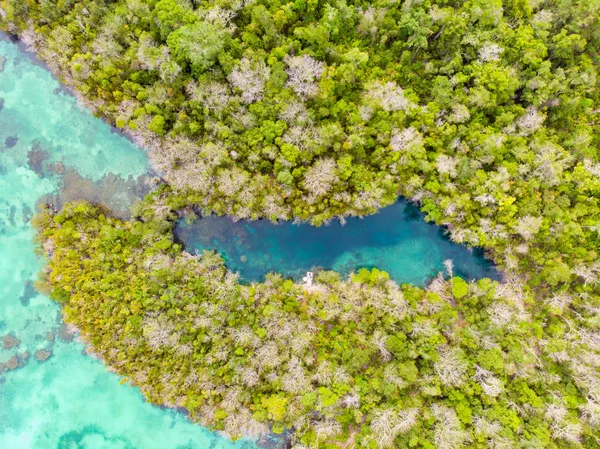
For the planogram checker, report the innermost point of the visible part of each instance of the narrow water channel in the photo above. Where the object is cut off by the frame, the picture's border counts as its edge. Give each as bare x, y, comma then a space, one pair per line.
397, 240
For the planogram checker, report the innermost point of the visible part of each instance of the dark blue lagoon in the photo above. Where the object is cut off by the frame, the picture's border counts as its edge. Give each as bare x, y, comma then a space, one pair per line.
397, 240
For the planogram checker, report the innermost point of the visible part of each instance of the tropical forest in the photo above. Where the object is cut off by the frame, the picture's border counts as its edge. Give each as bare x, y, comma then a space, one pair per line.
478, 120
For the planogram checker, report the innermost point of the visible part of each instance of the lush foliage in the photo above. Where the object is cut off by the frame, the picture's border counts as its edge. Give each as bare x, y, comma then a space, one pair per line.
361, 361
317, 109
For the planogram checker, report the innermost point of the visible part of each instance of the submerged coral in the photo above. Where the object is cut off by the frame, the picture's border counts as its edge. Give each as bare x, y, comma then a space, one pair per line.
10, 341
42, 355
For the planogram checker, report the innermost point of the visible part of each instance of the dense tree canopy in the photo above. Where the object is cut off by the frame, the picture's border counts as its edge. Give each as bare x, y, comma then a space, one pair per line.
316, 109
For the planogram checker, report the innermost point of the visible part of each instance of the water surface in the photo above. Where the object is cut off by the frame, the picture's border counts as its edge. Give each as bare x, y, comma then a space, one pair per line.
397, 240
68, 401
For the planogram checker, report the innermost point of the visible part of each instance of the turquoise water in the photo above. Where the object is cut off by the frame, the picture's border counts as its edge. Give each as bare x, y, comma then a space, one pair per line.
396, 240
68, 401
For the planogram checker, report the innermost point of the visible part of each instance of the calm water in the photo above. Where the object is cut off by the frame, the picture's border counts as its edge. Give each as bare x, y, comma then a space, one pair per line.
70, 400
397, 240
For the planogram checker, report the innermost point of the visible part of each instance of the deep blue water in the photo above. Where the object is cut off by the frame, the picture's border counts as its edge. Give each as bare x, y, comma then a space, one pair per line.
397, 240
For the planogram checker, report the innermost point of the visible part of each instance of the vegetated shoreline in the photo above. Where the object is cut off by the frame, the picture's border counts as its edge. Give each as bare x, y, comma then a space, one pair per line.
144, 286
64, 87
185, 230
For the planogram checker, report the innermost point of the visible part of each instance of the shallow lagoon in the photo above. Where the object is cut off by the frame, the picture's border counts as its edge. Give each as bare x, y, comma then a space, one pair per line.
396, 240
69, 400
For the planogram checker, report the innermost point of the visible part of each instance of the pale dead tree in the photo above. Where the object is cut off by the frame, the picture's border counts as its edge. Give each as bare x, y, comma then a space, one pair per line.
379, 341
126, 109
365, 112
372, 199
501, 314
451, 366
159, 333
250, 78
230, 181
274, 208
530, 122
302, 137
29, 38
231, 399
587, 378
149, 55
491, 430
243, 336
543, 18
459, 114
323, 374
490, 52
528, 226
370, 20
266, 357
589, 273
446, 164
437, 14
406, 139
295, 380
391, 376
440, 287
449, 265
394, 304
341, 376
448, 433
351, 400
107, 45
485, 199
592, 168
558, 302
321, 176
490, 384
561, 427
303, 74
241, 423
591, 412
388, 424
294, 112
214, 96
389, 96
425, 327
327, 428
249, 377
208, 414
549, 162
486, 427
221, 16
